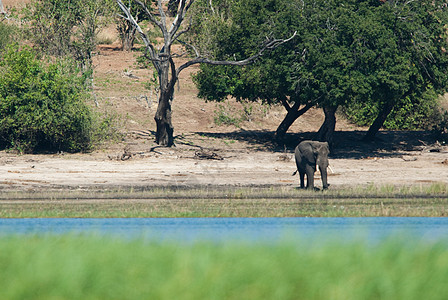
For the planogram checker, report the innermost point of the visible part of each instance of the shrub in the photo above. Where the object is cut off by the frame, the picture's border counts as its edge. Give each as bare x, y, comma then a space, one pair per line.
226, 116
408, 114
42, 104
441, 128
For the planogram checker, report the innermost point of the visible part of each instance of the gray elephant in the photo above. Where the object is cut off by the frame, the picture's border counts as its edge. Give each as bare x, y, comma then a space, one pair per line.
309, 154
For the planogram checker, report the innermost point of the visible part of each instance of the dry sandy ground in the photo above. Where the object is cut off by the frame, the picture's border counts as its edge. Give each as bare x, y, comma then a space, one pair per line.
234, 166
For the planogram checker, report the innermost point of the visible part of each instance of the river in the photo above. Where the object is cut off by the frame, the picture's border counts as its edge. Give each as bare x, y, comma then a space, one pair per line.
247, 230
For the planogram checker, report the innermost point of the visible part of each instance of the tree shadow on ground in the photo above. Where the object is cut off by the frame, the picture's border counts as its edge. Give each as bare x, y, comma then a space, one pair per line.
347, 144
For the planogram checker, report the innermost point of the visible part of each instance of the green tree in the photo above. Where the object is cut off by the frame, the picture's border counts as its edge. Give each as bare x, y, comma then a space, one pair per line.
347, 53
42, 104
408, 66
59, 27
232, 28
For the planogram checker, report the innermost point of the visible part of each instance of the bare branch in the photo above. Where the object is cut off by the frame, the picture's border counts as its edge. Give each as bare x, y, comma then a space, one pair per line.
183, 31
211, 6
191, 46
268, 46
181, 12
128, 16
151, 16
3, 14
178, 20
162, 16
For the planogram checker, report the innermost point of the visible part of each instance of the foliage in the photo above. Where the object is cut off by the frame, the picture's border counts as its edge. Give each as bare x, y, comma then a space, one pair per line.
234, 30
374, 54
80, 267
441, 128
42, 104
418, 114
402, 63
106, 125
60, 28
225, 115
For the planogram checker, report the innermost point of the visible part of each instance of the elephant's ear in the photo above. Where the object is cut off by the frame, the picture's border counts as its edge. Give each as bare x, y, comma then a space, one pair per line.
316, 148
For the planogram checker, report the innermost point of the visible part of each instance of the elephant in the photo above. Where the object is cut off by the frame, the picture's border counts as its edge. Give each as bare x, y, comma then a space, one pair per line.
308, 154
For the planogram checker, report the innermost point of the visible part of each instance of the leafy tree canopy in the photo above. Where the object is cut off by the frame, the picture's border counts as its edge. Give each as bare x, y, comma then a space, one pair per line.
59, 27
347, 53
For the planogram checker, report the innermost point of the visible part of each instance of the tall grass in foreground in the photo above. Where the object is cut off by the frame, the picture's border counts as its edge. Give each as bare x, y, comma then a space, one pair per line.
77, 267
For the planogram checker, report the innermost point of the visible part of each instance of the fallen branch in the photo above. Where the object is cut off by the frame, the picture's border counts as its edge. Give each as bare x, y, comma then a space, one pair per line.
204, 154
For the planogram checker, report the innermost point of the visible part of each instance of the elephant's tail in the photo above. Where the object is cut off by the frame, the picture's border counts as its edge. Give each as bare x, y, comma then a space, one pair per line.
295, 172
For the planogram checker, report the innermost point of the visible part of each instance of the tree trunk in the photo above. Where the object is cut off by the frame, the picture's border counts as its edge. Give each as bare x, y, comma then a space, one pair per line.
127, 35
165, 129
379, 121
293, 114
128, 39
326, 131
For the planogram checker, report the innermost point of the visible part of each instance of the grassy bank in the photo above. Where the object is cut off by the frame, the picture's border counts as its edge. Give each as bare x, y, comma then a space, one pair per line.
76, 267
372, 201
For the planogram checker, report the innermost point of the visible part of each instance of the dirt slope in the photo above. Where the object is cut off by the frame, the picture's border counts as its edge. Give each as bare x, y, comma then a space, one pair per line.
207, 154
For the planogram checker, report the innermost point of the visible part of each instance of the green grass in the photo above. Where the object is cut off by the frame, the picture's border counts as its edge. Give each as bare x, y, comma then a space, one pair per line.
275, 201
82, 267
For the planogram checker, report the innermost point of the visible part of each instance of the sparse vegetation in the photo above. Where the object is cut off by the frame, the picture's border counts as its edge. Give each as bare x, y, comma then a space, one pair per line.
228, 114
6, 35
371, 201
225, 115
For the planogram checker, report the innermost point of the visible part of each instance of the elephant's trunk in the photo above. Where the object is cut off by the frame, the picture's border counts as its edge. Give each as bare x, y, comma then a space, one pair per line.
323, 174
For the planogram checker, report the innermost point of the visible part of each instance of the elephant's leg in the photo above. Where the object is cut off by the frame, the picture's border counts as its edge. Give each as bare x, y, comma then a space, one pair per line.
323, 173
302, 179
310, 177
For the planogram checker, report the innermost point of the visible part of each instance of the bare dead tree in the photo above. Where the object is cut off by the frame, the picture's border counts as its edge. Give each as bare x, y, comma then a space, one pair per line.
2, 10
164, 64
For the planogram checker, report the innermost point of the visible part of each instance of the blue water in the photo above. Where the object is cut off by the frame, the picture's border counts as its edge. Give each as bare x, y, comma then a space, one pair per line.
247, 230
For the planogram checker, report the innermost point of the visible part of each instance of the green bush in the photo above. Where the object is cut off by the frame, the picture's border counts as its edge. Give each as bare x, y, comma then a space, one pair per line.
225, 115
42, 104
440, 129
408, 114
